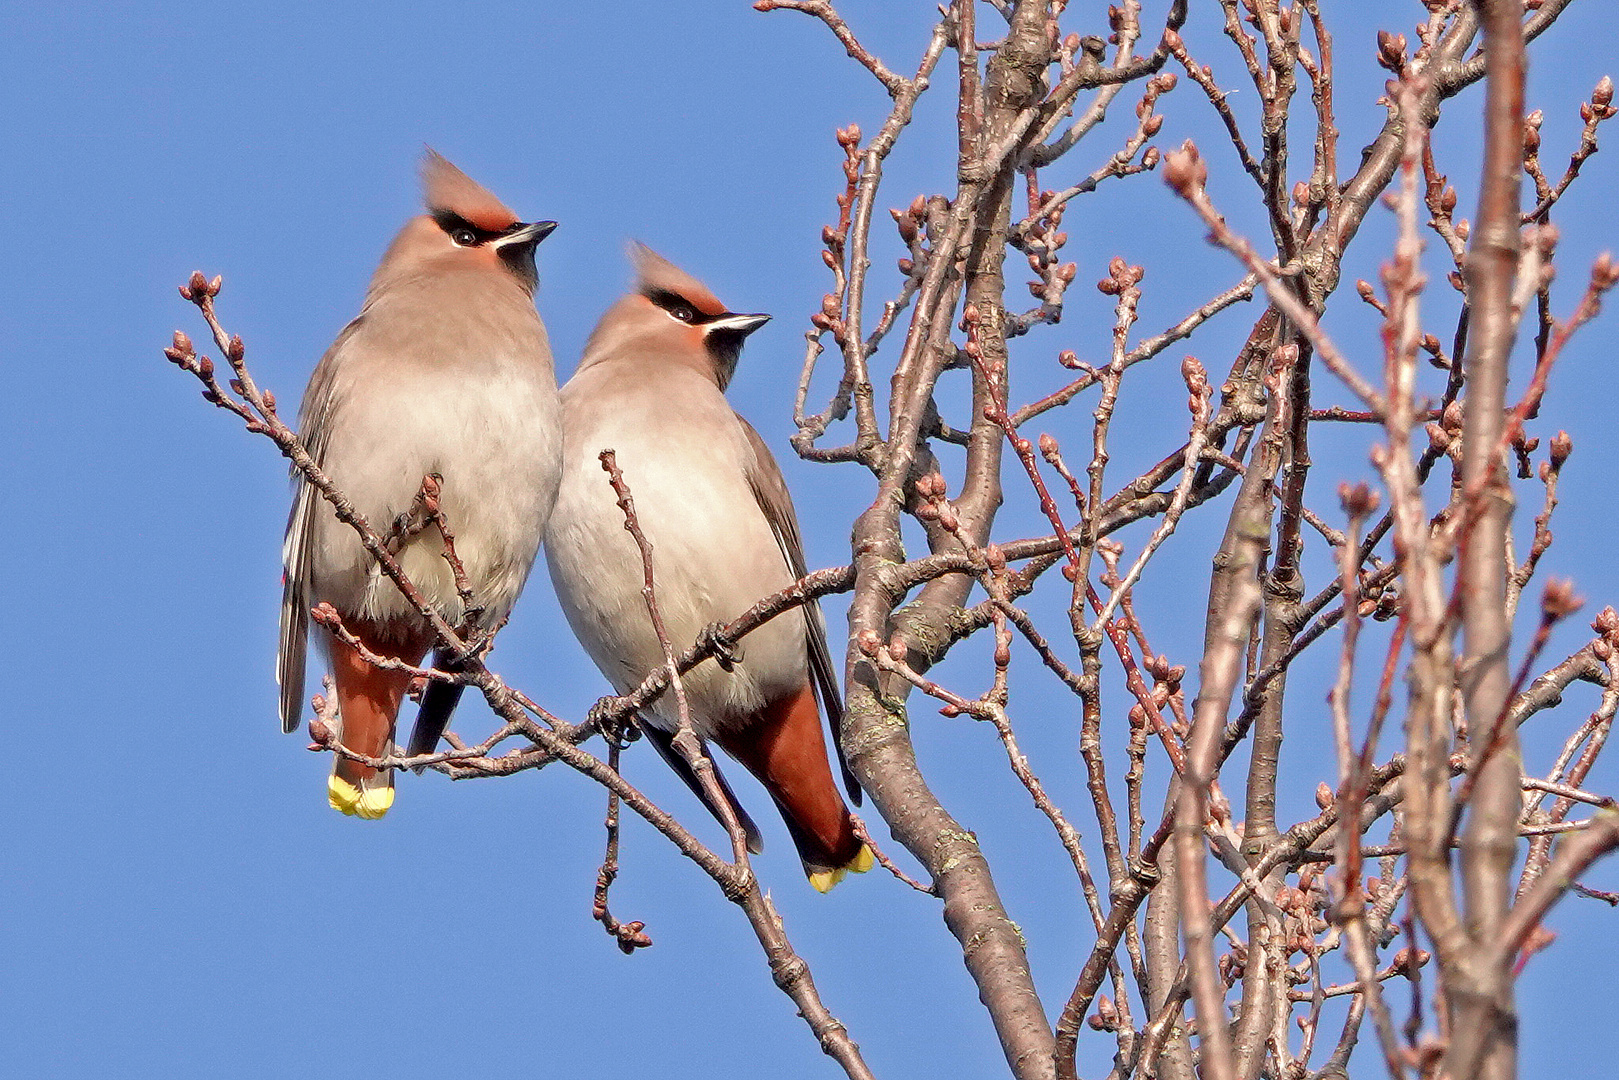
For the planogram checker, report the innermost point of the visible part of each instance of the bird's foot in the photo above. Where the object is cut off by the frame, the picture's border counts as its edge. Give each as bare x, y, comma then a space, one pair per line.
604, 717
724, 648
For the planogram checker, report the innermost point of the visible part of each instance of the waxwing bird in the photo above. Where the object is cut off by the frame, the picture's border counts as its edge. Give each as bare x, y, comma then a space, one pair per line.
711, 500
446, 371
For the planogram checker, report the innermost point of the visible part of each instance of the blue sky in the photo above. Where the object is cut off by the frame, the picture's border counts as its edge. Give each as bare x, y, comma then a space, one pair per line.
177, 900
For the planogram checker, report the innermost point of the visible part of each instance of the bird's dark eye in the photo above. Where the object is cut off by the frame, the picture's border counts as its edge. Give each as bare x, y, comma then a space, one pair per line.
683, 312
464, 237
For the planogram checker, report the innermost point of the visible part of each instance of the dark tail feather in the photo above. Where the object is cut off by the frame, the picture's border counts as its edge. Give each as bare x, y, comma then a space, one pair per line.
825, 682
438, 702
665, 742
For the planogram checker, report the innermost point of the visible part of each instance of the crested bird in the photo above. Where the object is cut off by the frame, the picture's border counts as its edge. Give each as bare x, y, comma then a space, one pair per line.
446, 372
711, 500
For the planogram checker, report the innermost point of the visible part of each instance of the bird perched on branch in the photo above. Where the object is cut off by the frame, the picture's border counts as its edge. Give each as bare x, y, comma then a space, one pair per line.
712, 501
445, 373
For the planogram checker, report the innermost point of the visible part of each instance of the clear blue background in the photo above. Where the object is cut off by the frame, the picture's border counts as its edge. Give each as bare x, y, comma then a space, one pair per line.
175, 898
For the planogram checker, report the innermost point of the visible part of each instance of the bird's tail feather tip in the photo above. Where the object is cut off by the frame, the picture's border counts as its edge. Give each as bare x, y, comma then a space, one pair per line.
864, 860
822, 880
368, 805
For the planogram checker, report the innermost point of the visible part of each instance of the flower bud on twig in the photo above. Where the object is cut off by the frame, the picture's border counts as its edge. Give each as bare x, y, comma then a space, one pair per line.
1185, 170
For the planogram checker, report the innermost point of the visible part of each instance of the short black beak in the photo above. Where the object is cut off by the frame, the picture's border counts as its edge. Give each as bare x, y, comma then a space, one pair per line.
739, 325
516, 250
724, 336
526, 235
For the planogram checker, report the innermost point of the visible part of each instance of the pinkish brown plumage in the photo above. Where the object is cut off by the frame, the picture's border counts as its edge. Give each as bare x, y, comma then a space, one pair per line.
654, 272
448, 188
446, 371
712, 501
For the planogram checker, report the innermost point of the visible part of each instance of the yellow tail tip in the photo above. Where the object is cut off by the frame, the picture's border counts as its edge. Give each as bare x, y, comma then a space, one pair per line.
368, 805
823, 880
864, 860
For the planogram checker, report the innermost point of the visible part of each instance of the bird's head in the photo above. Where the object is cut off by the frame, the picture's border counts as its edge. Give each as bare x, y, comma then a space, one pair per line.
466, 227
673, 315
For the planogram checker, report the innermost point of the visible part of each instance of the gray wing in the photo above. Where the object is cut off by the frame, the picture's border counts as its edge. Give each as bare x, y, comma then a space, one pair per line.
290, 660
296, 549
764, 476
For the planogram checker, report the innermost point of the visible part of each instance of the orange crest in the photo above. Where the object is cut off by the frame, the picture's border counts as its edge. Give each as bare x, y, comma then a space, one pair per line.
448, 188
655, 273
